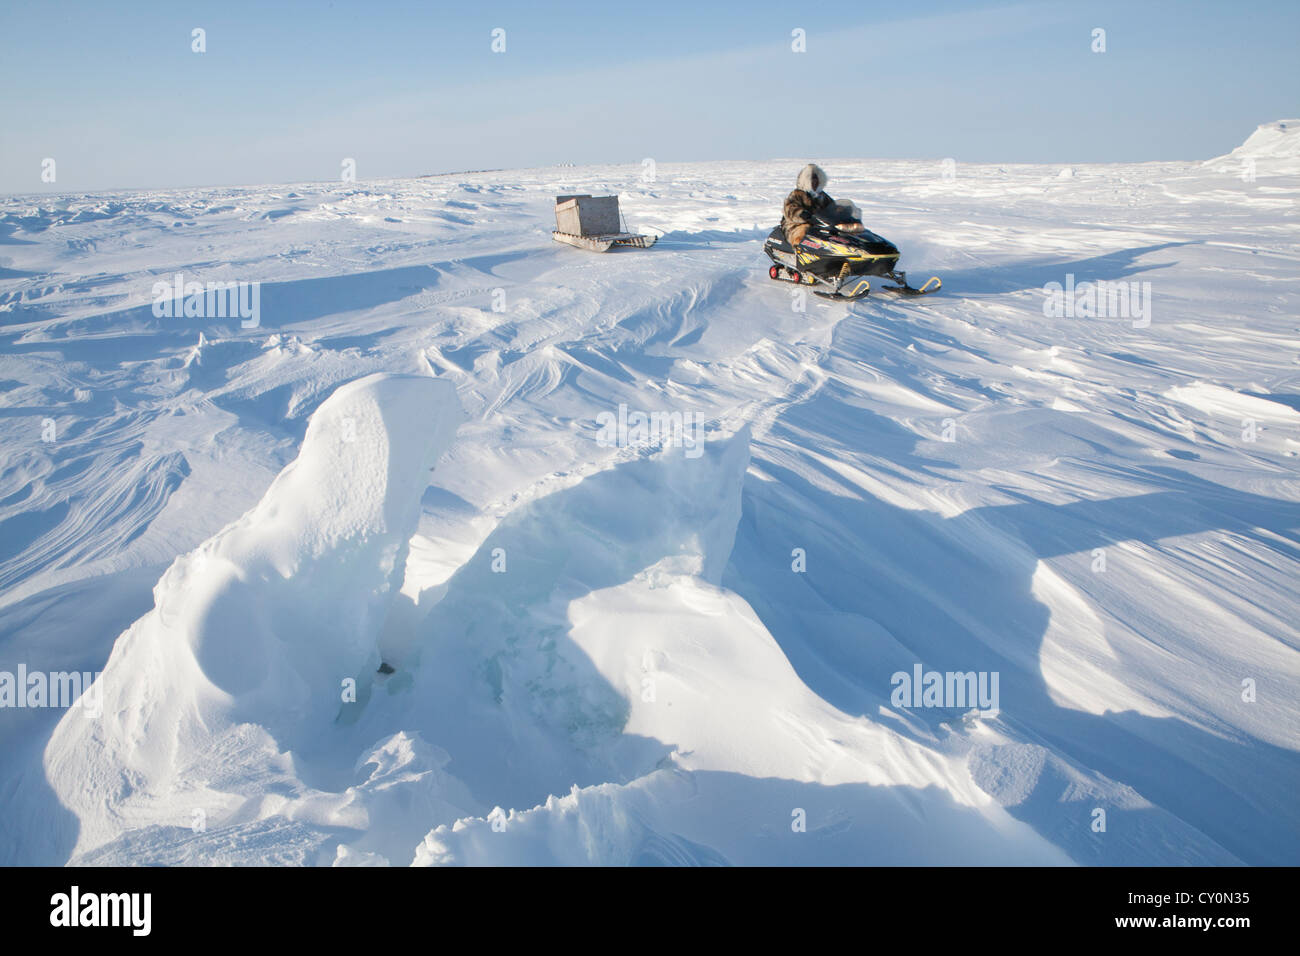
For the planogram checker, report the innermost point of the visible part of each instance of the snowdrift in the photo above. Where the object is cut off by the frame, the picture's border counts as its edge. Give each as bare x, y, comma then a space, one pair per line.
1272, 150
224, 712
254, 634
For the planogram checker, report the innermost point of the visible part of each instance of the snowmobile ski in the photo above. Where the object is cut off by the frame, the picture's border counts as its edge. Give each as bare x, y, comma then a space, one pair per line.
857, 289
933, 284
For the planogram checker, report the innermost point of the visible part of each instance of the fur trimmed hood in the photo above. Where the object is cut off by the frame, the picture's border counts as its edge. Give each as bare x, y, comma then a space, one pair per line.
810, 173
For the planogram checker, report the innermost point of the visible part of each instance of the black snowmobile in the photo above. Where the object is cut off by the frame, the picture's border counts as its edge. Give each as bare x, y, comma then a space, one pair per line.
837, 264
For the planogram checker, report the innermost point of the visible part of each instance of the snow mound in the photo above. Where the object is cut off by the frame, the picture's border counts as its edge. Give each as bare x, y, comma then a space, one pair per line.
254, 635
1273, 149
710, 818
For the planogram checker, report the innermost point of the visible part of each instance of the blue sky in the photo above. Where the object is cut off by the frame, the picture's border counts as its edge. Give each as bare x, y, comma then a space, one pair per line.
287, 90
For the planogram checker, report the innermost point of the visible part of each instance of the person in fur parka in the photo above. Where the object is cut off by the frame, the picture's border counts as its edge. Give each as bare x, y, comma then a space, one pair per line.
809, 197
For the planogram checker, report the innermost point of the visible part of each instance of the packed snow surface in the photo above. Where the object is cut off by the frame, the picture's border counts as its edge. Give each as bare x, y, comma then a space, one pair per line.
392, 573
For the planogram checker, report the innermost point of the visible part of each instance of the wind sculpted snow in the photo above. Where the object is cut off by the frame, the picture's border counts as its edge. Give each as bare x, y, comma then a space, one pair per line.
565, 645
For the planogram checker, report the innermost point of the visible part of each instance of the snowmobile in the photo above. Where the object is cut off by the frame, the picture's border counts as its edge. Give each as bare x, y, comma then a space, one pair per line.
837, 263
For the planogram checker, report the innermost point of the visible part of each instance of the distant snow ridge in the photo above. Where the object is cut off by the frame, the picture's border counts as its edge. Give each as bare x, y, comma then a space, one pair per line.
252, 634
1273, 149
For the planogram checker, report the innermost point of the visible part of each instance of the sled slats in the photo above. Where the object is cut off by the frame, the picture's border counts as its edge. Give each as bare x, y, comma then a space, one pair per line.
604, 243
583, 242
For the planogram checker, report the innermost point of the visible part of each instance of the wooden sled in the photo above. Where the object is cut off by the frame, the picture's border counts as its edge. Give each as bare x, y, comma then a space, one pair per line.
593, 222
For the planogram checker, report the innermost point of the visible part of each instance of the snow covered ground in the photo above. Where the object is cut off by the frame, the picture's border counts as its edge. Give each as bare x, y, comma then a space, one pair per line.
557, 649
